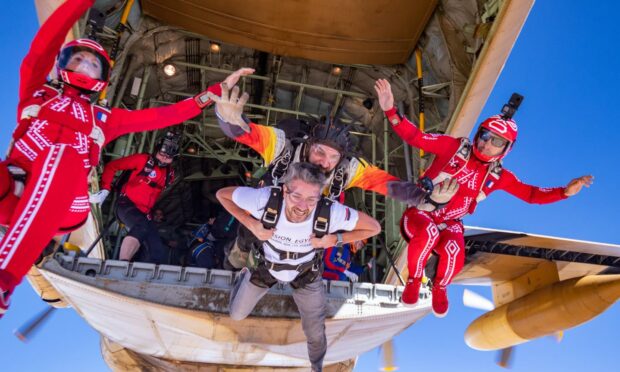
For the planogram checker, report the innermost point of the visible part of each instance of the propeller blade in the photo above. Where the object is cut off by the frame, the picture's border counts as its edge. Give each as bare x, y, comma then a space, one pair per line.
476, 301
505, 357
388, 356
28, 329
559, 336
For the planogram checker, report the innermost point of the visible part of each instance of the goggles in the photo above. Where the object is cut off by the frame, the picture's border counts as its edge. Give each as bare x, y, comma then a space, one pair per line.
487, 135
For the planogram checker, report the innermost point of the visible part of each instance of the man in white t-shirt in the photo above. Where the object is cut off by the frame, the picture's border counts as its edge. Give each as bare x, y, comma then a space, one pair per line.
289, 250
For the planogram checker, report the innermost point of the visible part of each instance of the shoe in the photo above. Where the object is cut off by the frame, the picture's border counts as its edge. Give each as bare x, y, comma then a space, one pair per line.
440, 301
411, 294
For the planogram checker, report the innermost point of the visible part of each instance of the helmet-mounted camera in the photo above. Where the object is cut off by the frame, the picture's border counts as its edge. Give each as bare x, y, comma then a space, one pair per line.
512, 106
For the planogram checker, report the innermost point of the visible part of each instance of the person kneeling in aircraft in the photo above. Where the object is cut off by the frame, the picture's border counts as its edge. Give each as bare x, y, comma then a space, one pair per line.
148, 175
477, 168
295, 224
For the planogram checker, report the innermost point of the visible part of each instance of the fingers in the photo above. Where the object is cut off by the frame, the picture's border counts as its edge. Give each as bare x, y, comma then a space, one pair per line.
453, 185
244, 98
244, 71
225, 92
234, 95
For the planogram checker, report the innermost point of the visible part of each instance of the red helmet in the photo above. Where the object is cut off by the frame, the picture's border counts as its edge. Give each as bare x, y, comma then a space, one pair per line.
81, 79
505, 128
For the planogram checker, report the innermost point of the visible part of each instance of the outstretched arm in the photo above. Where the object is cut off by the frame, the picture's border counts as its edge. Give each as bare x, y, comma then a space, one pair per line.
409, 132
46, 44
369, 177
539, 195
125, 121
267, 141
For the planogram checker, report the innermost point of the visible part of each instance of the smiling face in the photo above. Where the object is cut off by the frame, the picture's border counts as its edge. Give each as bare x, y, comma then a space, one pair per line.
301, 199
324, 156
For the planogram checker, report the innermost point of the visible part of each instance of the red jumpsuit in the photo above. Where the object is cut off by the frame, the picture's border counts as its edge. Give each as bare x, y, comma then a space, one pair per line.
138, 196
142, 189
442, 230
57, 140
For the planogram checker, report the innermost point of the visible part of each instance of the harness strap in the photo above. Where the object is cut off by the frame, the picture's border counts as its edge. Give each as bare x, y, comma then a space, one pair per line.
286, 255
320, 226
271, 215
313, 264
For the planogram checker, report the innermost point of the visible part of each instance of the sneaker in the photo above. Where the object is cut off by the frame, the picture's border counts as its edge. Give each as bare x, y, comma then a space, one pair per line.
440, 301
411, 294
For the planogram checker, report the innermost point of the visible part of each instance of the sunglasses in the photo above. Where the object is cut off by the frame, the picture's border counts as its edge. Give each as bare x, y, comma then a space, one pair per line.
496, 141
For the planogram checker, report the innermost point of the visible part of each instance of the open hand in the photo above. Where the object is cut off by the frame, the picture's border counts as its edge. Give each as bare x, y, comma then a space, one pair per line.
575, 185
384, 93
229, 107
445, 190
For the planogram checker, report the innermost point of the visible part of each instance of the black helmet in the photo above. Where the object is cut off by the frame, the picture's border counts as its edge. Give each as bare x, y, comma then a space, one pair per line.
169, 144
333, 134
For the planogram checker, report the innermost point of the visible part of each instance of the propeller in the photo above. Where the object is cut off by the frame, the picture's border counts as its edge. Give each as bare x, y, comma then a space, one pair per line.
388, 356
476, 301
28, 329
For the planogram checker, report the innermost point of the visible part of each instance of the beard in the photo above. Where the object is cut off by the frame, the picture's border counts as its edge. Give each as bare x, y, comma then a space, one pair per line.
295, 214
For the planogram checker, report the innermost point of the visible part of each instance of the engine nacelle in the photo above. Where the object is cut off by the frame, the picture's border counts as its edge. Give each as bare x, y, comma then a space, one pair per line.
551, 309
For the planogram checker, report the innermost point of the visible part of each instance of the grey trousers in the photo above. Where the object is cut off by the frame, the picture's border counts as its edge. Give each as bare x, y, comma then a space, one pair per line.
312, 307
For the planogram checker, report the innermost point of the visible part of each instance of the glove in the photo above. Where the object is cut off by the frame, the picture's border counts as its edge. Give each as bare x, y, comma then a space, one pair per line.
352, 276
406, 192
99, 197
441, 195
229, 109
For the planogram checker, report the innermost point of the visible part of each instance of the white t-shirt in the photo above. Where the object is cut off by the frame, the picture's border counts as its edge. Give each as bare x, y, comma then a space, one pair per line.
289, 236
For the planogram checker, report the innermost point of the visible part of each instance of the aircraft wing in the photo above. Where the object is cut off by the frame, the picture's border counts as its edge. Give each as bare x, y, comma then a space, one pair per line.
497, 256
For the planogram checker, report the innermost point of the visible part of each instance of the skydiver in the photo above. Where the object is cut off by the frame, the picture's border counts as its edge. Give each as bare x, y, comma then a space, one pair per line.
58, 138
438, 227
327, 146
149, 175
292, 246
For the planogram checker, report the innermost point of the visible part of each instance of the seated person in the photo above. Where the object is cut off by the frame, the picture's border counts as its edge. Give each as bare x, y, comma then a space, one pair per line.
338, 262
149, 175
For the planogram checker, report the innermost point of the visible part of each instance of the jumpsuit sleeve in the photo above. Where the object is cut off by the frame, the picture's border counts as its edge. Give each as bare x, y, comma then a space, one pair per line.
132, 162
528, 193
369, 177
46, 44
126, 121
441, 145
267, 141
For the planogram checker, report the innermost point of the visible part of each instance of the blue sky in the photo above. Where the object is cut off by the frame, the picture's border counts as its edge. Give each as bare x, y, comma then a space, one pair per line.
566, 64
